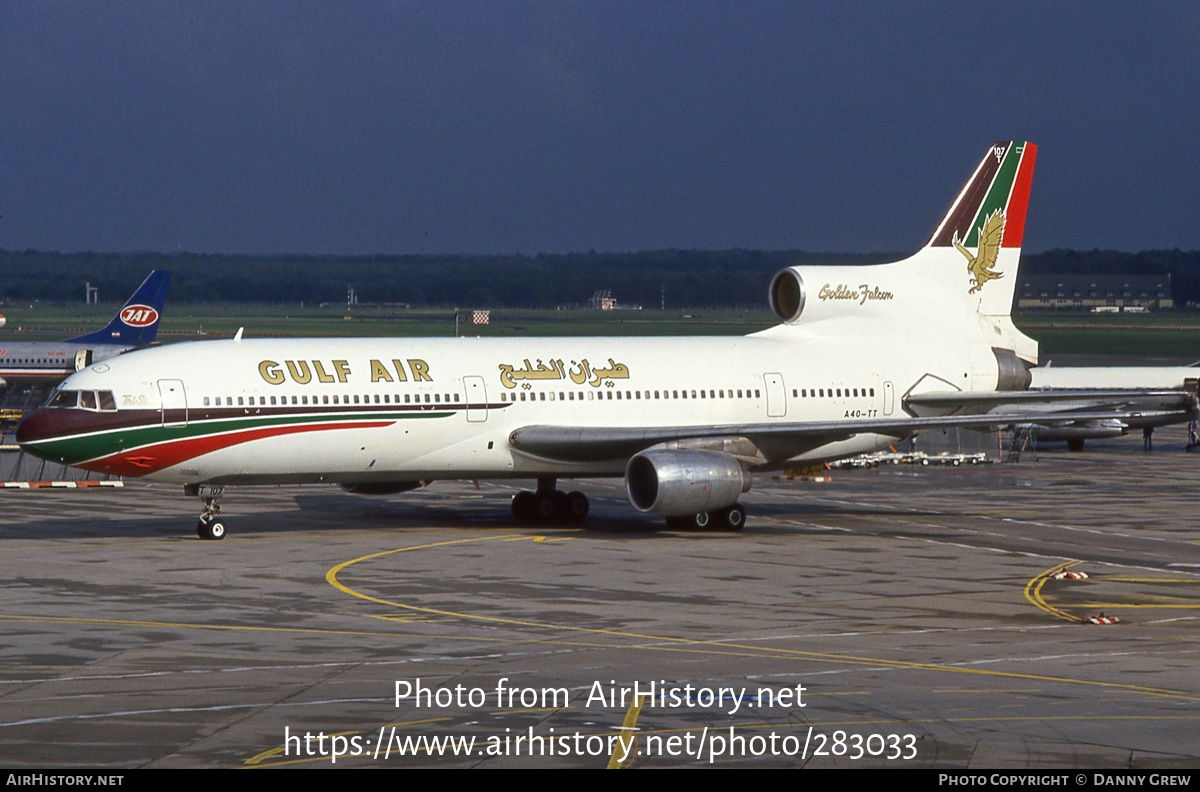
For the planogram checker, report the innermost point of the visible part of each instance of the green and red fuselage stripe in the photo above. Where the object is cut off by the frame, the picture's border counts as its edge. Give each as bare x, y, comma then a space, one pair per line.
138, 442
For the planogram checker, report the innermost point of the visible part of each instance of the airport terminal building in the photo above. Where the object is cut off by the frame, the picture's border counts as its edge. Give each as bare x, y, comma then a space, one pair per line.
1132, 293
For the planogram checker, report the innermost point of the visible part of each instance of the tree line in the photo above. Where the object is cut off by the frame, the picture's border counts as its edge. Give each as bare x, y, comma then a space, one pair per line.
679, 278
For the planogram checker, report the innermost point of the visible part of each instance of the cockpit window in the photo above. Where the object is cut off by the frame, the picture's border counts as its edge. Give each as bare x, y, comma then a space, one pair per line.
102, 401
63, 398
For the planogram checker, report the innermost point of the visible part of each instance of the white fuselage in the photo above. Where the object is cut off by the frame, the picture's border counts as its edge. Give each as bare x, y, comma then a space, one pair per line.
477, 391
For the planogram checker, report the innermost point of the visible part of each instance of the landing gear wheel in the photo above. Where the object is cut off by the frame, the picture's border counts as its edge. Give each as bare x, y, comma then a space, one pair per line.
212, 528
577, 507
550, 506
700, 521
525, 506
733, 518
543, 507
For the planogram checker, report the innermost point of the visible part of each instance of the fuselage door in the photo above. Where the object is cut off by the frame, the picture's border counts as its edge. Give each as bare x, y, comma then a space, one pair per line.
476, 399
889, 398
174, 401
776, 396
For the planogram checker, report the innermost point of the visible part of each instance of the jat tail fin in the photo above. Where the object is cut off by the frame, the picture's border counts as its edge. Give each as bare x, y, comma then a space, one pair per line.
986, 224
136, 324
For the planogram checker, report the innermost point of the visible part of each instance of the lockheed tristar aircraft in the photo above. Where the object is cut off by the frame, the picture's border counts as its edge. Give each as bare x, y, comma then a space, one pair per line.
864, 356
47, 362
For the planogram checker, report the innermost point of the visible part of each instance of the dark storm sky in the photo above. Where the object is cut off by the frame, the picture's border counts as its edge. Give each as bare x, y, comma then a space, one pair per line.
566, 126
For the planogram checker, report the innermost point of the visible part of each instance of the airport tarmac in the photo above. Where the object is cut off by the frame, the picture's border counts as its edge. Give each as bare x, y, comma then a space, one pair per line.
899, 616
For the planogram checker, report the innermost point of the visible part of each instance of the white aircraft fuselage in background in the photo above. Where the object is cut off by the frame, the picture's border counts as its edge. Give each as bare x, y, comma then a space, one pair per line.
47, 362
684, 420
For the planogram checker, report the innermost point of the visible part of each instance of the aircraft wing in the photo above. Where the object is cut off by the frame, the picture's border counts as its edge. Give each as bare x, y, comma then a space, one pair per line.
781, 441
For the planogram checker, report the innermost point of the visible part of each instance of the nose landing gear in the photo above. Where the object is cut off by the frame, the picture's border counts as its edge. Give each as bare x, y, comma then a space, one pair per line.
211, 525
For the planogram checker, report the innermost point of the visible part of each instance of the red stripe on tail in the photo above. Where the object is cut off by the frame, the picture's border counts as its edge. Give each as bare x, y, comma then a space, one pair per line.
1018, 202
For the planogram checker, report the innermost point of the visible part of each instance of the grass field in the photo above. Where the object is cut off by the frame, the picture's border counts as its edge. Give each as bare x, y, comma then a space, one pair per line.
1175, 334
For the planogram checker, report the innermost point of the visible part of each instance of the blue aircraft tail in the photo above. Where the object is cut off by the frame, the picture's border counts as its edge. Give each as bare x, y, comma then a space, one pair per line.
136, 323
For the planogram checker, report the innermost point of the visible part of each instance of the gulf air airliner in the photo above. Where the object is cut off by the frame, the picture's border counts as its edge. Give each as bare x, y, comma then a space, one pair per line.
47, 362
863, 356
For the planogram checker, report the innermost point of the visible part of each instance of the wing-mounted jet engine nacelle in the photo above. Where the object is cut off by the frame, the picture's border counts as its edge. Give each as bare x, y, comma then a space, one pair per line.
379, 487
677, 483
821, 292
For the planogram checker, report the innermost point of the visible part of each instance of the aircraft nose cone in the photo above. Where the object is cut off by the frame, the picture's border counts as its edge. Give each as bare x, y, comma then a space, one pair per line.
38, 425
38, 430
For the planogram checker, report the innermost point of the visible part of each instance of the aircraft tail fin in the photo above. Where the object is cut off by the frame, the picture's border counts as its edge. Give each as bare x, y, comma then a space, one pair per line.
136, 324
964, 277
986, 224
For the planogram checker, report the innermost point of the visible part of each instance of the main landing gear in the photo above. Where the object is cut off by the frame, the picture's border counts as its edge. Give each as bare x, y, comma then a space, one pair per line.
732, 518
548, 505
211, 524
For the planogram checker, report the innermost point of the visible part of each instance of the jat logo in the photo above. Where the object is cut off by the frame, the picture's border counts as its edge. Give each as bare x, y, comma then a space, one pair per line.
139, 316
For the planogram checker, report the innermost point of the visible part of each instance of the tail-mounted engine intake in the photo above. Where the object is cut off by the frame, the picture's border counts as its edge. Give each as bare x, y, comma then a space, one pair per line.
821, 292
684, 482
787, 294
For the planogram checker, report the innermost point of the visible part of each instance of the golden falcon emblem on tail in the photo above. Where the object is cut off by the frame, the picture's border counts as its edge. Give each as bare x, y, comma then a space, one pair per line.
991, 233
